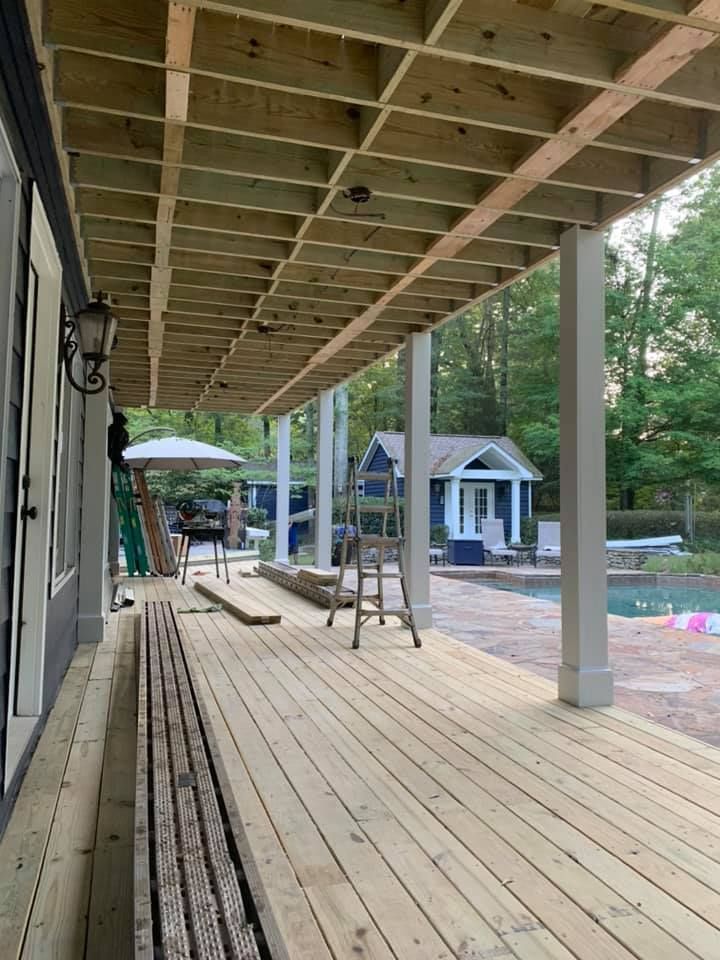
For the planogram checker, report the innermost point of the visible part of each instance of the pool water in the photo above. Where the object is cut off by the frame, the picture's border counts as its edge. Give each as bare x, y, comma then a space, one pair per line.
638, 601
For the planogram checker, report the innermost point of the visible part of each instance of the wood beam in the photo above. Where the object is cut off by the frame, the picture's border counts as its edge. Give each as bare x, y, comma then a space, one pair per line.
178, 48
659, 61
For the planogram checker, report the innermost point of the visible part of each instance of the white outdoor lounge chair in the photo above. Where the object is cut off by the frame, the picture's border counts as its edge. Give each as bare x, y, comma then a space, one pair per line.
548, 545
493, 534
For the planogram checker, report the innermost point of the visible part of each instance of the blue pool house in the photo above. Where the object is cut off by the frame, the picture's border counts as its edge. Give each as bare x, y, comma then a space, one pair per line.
471, 478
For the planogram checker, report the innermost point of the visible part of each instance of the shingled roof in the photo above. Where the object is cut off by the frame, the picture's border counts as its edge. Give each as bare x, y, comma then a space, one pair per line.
448, 451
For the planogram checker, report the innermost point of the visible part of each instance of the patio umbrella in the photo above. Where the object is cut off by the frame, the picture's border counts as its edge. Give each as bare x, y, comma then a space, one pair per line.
175, 453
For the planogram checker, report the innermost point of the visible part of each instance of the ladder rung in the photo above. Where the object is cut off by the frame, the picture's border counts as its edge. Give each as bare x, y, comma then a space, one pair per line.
380, 477
384, 576
370, 539
382, 508
385, 613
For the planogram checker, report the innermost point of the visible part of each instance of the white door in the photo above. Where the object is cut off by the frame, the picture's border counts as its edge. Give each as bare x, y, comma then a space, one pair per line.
477, 503
37, 446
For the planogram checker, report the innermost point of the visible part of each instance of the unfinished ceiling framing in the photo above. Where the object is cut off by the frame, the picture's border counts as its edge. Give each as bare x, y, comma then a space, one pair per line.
210, 144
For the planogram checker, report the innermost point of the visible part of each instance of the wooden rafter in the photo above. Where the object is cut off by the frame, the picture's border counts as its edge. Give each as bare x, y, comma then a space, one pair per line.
210, 144
180, 26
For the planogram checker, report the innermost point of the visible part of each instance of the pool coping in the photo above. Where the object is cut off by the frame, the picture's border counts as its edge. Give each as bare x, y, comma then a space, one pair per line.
550, 576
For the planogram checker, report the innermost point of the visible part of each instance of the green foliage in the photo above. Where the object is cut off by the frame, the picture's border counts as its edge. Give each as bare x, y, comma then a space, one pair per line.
371, 522
266, 548
439, 534
257, 517
695, 563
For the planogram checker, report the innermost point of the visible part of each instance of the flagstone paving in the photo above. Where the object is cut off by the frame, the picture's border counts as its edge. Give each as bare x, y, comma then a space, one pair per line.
667, 675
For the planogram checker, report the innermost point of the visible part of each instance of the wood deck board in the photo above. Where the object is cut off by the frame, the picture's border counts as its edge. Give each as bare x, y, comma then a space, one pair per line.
500, 812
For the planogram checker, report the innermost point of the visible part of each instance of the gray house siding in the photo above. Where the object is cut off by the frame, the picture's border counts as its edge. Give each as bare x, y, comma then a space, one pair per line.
25, 121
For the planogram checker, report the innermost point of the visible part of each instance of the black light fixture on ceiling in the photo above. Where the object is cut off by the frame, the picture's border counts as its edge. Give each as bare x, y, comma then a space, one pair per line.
92, 332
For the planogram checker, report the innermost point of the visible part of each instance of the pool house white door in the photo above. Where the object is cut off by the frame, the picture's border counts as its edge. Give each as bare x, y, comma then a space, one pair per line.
476, 503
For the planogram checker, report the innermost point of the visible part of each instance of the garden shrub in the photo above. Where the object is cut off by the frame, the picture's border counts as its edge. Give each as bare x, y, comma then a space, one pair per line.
694, 563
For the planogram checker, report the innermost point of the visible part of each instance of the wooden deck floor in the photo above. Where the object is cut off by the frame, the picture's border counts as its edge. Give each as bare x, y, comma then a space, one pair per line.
440, 803
387, 803
66, 857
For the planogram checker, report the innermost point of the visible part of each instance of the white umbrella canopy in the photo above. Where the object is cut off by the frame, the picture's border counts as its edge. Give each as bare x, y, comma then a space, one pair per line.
175, 453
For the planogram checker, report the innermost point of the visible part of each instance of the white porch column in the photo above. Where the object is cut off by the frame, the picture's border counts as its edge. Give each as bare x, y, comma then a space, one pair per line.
323, 485
515, 512
454, 508
282, 489
94, 580
417, 475
585, 678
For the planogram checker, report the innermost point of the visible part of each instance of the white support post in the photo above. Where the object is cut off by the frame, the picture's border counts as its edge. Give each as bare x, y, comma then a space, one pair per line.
454, 508
417, 475
323, 485
93, 600
585, 678
515, 512
282, 488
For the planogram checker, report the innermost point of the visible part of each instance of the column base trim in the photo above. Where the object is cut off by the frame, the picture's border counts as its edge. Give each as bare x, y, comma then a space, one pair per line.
585, 688
423, 615
91, 628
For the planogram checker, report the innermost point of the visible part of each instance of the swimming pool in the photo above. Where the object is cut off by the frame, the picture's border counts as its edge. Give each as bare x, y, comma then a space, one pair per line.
637, 601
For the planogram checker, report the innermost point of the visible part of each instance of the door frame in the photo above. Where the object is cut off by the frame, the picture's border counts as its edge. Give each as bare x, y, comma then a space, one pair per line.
471, 485
30, 597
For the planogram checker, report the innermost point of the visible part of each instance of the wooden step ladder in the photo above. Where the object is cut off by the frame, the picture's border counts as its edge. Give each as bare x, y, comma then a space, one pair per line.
355, 541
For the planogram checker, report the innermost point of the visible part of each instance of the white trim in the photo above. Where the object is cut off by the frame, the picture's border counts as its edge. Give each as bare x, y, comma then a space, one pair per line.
27, 660
466, 487
59, 580
515, 511
370, 453
516, 470
488, 475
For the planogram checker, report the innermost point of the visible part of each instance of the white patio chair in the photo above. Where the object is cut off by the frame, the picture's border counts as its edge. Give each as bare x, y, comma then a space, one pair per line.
493, 534
548, 545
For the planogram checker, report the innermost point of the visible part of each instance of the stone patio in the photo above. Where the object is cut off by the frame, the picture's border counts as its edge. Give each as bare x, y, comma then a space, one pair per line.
670, 676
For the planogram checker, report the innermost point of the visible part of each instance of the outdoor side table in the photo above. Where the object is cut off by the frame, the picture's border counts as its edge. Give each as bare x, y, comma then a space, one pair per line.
523, 552
207, 534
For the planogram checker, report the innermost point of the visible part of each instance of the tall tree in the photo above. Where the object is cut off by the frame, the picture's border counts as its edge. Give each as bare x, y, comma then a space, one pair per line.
341, 438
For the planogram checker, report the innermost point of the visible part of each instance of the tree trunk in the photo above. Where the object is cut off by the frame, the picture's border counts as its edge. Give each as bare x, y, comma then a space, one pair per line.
218, 419
435, 352
267, 449
504, 344
631, 433
341, 438
310, 428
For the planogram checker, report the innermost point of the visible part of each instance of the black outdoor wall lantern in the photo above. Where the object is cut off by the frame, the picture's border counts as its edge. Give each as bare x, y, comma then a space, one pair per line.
92, 332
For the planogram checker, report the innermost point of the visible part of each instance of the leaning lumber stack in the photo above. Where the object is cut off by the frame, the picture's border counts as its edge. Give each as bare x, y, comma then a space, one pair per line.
156, 532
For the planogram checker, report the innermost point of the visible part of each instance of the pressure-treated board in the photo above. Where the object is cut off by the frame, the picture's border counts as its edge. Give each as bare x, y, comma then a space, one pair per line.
502, 813
317, 576
239, 601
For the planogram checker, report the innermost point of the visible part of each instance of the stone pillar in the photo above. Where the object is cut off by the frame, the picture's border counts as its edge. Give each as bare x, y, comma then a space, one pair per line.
282, 497
94, 580
515, 512
417, 475
585, 678
323, 483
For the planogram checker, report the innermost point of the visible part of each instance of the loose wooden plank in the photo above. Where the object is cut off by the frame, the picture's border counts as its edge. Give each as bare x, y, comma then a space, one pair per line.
316, 575
239, 602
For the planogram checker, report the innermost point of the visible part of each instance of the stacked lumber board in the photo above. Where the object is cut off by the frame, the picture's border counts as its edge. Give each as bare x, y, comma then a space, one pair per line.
239, 601
323, 578
200, 910
286, 576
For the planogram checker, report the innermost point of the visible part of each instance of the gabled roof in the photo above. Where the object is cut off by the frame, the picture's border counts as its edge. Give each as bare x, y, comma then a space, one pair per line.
449, 451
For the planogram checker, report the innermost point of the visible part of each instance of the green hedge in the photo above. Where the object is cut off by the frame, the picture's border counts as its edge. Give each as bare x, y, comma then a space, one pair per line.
638, 524
371, 522
707, 563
